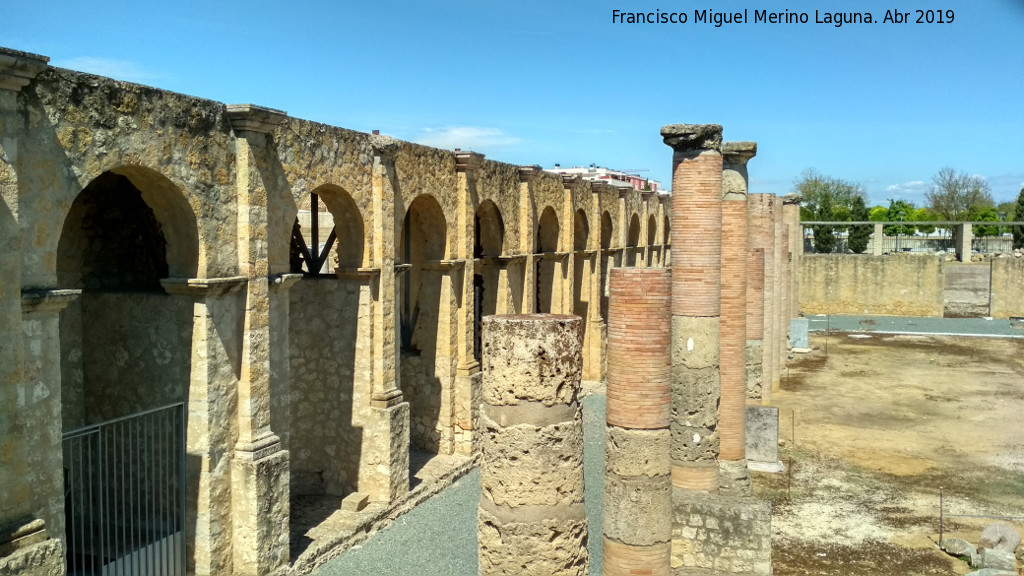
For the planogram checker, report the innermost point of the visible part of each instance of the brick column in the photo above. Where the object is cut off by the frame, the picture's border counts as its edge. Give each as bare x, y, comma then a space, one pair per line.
733, 342
761, 234
779, 329
531, 518
637, 482
696, 293
791, 214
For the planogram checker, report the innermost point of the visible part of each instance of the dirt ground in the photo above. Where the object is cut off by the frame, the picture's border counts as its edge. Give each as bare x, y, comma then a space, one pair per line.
881, 423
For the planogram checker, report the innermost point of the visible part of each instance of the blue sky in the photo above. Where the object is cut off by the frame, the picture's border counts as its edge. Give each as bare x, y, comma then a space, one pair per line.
885, 105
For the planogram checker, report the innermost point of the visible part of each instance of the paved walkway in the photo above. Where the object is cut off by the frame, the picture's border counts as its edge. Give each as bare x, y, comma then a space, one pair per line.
905, 325
438, 537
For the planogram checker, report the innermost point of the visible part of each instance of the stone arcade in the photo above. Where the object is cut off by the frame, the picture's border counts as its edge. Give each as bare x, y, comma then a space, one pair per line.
160, 250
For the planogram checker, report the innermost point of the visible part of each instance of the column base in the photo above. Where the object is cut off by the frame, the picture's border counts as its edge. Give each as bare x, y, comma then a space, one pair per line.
468, 396
384, 465
260, 511
719, 534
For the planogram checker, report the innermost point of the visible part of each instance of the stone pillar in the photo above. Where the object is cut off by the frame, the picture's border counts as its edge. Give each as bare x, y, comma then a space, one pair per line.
31, 457
637, 482
467, 370
531, 518
527, 236
212, 386
878, 240
384, 461
733, 342
696, 304
259, 477
964, 238
761, 212
791, 214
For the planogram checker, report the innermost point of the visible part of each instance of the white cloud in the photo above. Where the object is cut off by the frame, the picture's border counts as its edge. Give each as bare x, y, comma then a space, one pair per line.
913, 188
476, 138
117, 69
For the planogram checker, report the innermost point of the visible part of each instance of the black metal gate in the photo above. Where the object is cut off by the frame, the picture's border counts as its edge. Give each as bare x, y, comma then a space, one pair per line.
124, 495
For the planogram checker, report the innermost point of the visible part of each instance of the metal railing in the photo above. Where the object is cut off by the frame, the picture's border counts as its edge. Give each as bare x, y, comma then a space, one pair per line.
940, 239
124, 495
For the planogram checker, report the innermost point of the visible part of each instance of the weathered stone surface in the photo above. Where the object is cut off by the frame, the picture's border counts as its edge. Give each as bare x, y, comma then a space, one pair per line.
637, 452
636, 509
695, 397
727, 535
959, 547
762, 434
555, 546
536, 358
734, 477
992, 572
685, 137
999, 537
526, 465
43, 559
996, 560
755, 369
695, 342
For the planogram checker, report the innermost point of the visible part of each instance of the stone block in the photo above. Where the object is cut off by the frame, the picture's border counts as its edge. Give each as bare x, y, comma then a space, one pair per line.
44, 558
636, 509
798, 332
637, 452
999, 537
536, 358
547, 545
354, 502
734, 534
762, 437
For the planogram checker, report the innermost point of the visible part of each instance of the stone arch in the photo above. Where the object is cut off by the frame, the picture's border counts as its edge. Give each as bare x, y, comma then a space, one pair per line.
633, 240
652, 230
548, 282
424, 319
582, 268
489, 236
329, 338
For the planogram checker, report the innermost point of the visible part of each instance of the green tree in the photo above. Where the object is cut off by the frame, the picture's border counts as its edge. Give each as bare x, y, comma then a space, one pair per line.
1018, 216
957, 196
989, 214
900, 211
859, 234
878, 214
825, 198
925, 214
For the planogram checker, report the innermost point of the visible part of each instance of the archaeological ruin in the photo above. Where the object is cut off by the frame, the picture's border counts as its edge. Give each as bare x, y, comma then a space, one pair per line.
220, 324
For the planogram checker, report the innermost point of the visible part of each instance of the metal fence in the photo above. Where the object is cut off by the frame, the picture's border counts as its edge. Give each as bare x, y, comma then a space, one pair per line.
938, 241
124, 495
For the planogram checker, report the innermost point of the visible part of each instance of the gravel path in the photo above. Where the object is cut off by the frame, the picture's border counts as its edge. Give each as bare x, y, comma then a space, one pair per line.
438, 537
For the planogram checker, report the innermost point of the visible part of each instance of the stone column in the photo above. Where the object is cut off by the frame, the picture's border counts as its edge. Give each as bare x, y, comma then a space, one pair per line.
696, 305
384, 461
733, 346
598, 327
791, 214
531, 518
259, 476
211, 398
878, 240
467, 370
761, 208
527, 236
637, 482
31, 484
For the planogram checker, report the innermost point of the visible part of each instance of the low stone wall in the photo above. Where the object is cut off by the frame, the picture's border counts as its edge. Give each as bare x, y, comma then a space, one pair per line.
897, 285
1007, 297
721, 534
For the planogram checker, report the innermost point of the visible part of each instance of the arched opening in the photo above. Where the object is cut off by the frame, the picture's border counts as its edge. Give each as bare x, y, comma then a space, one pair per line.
607, 231
125, 357
633, 240
489, 235
422, 246
548, 285
582, 270
329, 337
666, 240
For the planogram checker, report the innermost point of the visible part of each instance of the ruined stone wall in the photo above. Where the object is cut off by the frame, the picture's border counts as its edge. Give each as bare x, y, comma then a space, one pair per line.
1007, 297
898, 285
723, 536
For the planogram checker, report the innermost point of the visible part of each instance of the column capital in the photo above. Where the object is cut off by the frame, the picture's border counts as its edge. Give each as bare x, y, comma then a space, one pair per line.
467, 161
47, 299
18, 68
738, 153
529, 173
199, 288
568, 180
792, 199
384, 146
598, 187
251, 119
692, 137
